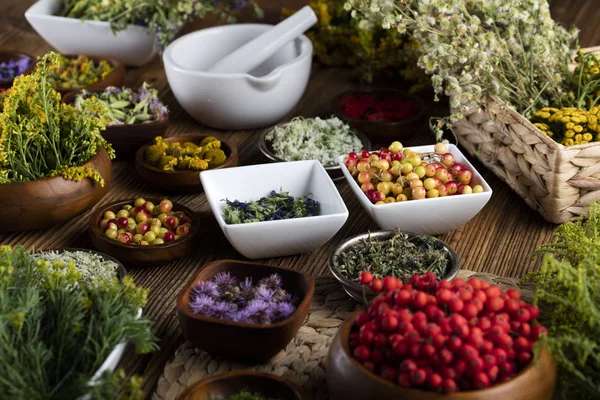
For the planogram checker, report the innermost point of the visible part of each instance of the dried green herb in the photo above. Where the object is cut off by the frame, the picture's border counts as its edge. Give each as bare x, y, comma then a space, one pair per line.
93, 267
274, 207
567, 289
246, 395
401, 256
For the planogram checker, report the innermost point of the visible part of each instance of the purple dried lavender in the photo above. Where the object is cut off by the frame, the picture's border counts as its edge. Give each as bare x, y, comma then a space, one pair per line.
259, 311
273, 282
207, 288
282, 311
225, 279
264, 293
13, 68
222, 310
201, 304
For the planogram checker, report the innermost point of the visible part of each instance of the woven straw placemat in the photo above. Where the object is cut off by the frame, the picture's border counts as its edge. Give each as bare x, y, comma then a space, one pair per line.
303, 360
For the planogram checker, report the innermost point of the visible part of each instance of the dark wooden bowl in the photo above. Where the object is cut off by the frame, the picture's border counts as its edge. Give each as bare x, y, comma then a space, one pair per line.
334, 171
181, 181
126, 139
361, 293
49, 201
136, 255
115, 78
223, 385
382, 131
238, 340
7, 55
347, 379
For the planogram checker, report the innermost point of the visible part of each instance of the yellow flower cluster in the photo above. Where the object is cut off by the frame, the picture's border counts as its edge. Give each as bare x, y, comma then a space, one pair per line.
78, 174
569, 125
77, 73
181, 156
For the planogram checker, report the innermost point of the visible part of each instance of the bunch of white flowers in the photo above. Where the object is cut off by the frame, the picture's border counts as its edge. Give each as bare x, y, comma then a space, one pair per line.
472, 48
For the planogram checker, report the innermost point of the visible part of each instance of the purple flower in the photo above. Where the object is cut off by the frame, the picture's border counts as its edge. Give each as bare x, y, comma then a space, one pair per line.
272, 282
265, 294
282, 311
13, 68
201, 304
224, 279
259, 312
207, 288
222, 310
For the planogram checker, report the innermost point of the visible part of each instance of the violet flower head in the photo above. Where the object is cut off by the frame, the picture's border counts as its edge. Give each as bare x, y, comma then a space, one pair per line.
13, 68
282, 311
207, 288
259, 312
265, 294
247, 292
222, 310
224, 279
273, 282
201, 304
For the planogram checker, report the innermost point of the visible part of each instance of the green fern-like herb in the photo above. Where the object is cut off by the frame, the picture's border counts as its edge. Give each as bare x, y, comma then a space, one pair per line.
568, 290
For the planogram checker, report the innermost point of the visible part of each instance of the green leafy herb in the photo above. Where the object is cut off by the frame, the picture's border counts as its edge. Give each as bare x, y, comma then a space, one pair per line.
568, 292
274, 207
400, 256
56, 331
93, 267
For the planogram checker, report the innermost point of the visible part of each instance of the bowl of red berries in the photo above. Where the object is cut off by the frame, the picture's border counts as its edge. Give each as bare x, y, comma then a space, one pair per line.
380, 114
431, 339
144, 232
425, 189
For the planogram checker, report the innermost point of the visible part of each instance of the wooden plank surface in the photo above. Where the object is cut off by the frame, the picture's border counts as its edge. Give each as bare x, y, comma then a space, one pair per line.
498, 240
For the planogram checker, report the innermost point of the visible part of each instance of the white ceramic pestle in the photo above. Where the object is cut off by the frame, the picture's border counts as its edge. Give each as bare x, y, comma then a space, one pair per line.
255, 52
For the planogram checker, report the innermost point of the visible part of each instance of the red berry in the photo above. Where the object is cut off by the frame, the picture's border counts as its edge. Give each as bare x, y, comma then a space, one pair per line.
405, 327
484, 324
487, 346
445, 356
364, 154
506, 368
454, 343
475, 341
470, 310
458, 283
524, 357
366, 337
403, 297
469, 352
481, 380
376, 285
448, 372
480, 294
428, 350
438, 340
400, 347
505, 341
456, 305
362, 319
420, 300
414, 350
444, 296
418, 377
537, 331
489, 361
460, 367
494, 304
389, 283
478, 303
511, 305
475, 365
475, 283
485, 284
370, 326
511, 354
493, 373
380, 340
365, 278
377, 356
389, 373
389, 323
444, 284
408, 365
449, 386
361, 353
513, 294
493, 291
500, 355
523, 315
465, 294
524, 329
434, 381
413, 337
522, 344
533, 311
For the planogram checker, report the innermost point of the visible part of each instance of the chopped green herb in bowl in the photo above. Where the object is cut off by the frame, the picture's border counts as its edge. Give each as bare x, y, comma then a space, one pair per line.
275, 206
318, 139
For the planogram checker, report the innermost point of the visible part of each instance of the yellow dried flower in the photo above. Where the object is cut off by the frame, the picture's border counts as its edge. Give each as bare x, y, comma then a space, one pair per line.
215, 157
168, 163
77, 174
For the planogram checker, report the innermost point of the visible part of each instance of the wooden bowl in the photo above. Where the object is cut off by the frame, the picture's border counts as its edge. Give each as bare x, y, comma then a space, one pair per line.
382, 131
7, 55
121, 271
115, 78
181, 181
359, 292
226, 384
49, 201
239, 340
127, 138
334, 171
141, 256
347, 379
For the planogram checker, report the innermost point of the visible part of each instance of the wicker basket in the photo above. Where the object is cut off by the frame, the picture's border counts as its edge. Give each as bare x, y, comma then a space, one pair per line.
557, 181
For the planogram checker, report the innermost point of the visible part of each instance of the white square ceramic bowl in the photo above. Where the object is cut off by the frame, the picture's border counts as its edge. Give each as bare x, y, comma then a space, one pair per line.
135, 46
428, 216
284, 237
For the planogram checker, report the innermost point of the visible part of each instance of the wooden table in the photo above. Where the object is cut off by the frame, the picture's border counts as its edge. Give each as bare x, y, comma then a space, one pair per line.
499, 240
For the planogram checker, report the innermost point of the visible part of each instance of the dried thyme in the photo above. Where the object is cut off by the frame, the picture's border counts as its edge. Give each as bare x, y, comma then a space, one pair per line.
276, 206
401, 256
93, 267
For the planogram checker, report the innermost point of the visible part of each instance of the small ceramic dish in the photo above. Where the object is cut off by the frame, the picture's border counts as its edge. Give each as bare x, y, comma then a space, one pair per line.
225, 384
246, 341
283, 237
359, 292
382, 131
8, 55
434, 216
181, 181
348, 379
127, 138
334, 170
141, 256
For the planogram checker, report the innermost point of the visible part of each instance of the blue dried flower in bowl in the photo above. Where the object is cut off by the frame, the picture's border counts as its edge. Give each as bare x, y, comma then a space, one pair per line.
13, 64
244, 310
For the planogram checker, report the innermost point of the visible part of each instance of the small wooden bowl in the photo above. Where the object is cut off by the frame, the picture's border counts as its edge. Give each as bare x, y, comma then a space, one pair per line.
127, 138
44, 202
239, 340
347, 379
7, 55
115, 78
359, 292
382, 131
226, 384
121, 271
181, 181
334, 171
136, 255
